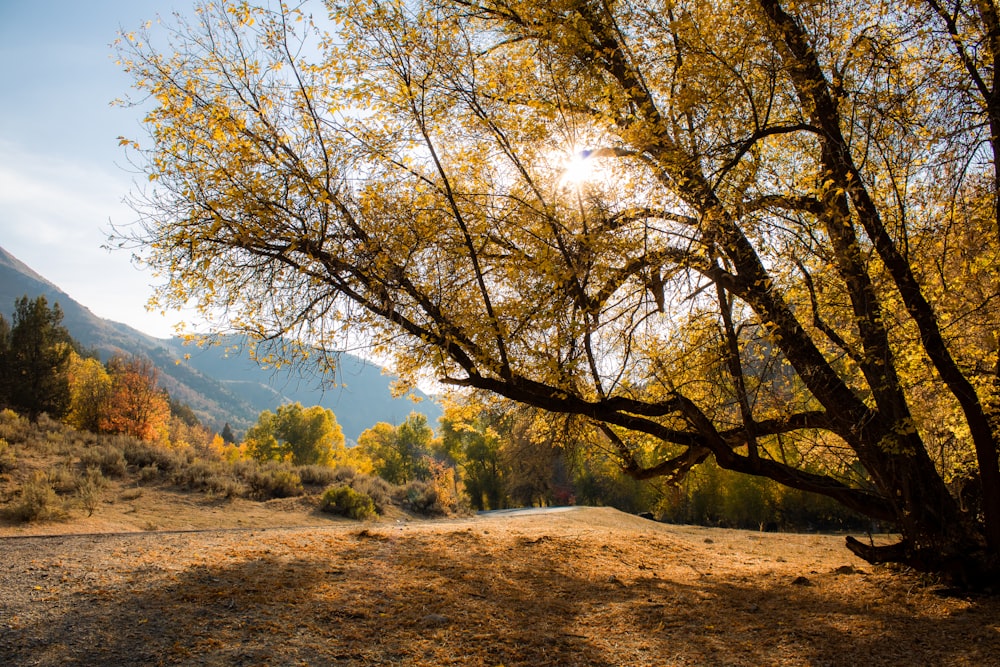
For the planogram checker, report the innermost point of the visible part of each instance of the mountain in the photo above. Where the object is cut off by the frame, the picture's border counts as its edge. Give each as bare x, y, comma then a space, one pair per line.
221, 383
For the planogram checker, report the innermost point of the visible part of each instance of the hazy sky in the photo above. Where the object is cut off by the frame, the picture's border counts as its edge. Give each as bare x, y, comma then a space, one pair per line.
62, 174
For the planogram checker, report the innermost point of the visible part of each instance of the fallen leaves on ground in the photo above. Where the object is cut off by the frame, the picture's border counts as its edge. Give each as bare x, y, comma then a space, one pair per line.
584, 587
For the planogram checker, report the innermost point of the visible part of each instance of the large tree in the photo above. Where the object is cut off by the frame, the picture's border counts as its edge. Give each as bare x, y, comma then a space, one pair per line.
784, 256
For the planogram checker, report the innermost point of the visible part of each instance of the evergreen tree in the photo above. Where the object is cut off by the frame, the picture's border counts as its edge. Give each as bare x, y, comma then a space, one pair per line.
4, 362
35, 354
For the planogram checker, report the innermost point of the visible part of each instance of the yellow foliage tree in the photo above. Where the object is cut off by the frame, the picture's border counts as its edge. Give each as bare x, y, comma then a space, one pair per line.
89, 387
724, 226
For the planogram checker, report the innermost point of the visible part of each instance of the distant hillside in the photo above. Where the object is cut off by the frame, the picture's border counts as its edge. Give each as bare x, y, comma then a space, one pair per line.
221, 384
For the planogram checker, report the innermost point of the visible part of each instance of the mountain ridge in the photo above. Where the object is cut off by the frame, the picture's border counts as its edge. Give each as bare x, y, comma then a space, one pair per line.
221, 383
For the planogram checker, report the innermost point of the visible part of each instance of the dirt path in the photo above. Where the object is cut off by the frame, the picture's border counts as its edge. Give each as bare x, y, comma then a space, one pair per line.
582, 587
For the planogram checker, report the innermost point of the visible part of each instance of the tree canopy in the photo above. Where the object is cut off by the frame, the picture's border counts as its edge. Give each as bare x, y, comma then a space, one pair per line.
304, 436
750, 230
402, 453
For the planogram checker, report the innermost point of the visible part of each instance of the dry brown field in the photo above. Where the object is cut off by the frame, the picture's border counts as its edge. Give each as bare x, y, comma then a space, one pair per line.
162, 579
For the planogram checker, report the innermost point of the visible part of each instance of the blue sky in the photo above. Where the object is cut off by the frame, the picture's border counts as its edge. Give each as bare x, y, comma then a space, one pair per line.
62, 174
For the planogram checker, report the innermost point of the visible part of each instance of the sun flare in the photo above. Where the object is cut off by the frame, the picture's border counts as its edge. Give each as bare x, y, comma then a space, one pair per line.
579, 168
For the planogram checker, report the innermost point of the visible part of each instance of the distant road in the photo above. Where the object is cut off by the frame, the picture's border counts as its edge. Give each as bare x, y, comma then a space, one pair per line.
524, 511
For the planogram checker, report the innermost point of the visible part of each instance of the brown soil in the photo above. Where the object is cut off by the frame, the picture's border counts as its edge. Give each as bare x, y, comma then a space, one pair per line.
574, 587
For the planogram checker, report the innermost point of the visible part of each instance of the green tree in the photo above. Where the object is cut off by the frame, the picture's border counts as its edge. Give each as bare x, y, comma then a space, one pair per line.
303, 436
399, 454
35, 355
471, 443
789, 231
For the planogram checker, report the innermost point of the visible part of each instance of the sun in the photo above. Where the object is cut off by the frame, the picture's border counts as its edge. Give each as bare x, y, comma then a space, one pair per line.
578, 169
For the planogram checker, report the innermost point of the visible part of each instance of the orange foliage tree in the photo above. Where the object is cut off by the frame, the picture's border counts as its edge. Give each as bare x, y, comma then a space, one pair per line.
135, 404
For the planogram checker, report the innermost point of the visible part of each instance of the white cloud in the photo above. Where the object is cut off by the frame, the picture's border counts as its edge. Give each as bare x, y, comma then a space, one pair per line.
55, 214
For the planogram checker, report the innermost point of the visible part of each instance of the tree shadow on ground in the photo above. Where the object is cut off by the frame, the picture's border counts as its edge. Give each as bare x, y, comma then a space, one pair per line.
373, 597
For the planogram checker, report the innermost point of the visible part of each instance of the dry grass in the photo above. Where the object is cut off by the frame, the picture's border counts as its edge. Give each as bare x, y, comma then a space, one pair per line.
581, 587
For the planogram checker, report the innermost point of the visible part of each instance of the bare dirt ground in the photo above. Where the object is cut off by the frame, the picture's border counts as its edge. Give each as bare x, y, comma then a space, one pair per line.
577, 587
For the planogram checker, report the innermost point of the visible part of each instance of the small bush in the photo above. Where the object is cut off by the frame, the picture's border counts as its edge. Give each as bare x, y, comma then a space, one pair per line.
324, 476
131, 494
110, 460
14, 428
271, 480
90, 488
143, 454
342, 499
376, 488
63, 479
210, 476
49, 436
38, 501
196, 477
422, 498
47, 424
315, 475
8, 460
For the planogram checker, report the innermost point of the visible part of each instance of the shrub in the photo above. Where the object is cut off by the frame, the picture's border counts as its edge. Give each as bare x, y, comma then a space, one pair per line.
210, 476
142, 454
38, 501
89, 491
110, 460
49, 436
63, 479
8, 460
317, 475
422, 498
14, 428
47, 424
342, 499
270, 480
376, 488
